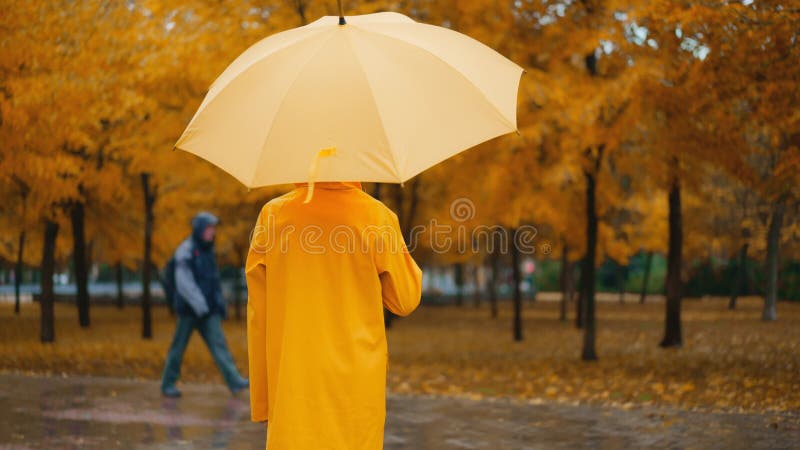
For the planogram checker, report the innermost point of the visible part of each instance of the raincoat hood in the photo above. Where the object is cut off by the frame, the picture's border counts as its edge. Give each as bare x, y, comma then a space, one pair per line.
199, 223
327, 185
332, 184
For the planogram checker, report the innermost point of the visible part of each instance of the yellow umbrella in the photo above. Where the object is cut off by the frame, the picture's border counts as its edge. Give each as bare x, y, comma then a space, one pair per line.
376, 97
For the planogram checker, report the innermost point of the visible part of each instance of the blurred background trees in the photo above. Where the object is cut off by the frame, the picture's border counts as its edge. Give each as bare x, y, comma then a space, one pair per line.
659, 151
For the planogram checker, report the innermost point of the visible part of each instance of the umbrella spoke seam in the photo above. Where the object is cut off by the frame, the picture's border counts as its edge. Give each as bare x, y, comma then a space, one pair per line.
377, 109
246, 69
455, 69
283, 100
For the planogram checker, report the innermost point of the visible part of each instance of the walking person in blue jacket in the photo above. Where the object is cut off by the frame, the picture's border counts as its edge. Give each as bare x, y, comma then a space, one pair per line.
199, 305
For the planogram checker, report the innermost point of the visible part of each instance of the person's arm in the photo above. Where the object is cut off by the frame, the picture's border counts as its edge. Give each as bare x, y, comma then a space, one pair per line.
401, 278
185, 283
256, 273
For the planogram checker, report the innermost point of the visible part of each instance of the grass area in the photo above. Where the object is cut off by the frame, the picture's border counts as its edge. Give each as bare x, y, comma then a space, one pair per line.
730, 361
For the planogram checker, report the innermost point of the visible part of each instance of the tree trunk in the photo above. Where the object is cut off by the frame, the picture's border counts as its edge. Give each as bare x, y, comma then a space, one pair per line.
492, 284
79, 260
585, 317
621, 282
738, 284
588, 273
648, 263
120, 293
564, 282
459, 279
579, 304
24, 191
413, 204
18, 271
672, 326
300, 9
476, 279
149, 200
571, 283
517, 274
48, 332
771, 271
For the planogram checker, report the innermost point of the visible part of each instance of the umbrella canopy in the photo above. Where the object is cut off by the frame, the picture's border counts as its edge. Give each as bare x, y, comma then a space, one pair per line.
380, 98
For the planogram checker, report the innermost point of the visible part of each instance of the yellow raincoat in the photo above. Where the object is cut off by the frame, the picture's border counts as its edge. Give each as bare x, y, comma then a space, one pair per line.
318, 277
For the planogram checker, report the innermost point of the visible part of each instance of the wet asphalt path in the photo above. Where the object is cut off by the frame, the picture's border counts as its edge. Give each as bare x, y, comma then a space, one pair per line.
56, 413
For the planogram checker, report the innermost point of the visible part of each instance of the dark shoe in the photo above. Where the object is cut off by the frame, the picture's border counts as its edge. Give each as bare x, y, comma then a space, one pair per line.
171, 392
239, 386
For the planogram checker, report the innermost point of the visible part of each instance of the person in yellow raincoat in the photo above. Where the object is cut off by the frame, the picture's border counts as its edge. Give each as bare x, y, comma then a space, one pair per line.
318, 277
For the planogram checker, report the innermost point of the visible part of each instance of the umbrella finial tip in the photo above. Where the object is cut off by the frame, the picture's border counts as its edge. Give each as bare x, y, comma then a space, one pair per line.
341, 13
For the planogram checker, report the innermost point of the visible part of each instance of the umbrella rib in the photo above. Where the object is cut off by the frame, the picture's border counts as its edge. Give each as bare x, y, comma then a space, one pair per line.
503, 118
283, 100
377, 109
288, 45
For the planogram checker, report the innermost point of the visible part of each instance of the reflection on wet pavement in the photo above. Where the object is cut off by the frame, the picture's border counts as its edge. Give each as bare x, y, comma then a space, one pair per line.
107, 413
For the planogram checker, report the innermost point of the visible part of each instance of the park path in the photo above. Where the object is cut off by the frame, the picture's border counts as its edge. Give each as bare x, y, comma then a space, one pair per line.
57, 413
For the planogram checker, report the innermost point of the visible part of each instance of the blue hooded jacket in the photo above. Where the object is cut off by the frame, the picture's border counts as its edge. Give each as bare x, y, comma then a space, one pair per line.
197, 283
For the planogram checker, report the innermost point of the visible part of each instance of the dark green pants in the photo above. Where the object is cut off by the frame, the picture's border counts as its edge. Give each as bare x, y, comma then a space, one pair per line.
210, 328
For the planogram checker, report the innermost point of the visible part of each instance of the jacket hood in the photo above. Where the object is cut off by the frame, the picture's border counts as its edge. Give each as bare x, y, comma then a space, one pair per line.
200, 222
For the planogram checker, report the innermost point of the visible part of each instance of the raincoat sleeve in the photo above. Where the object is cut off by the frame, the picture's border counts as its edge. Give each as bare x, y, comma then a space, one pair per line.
256, 273
185, 283
401, 278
